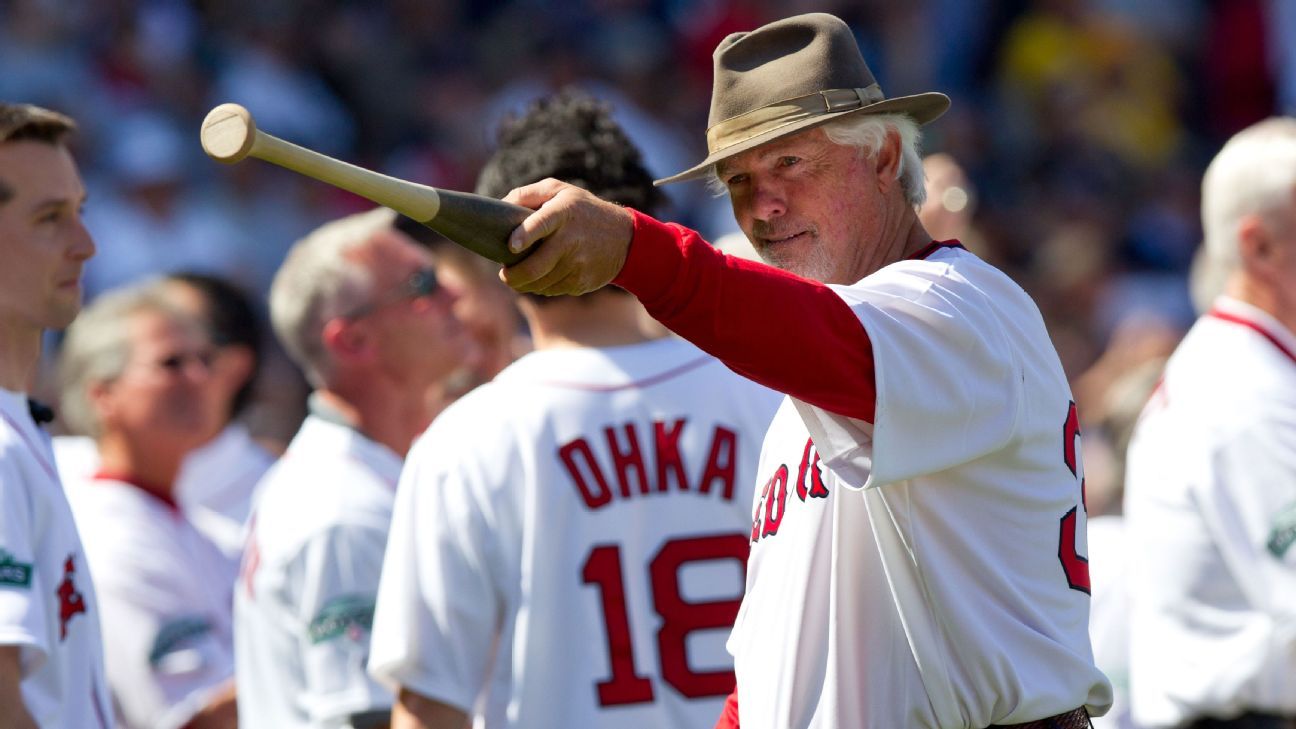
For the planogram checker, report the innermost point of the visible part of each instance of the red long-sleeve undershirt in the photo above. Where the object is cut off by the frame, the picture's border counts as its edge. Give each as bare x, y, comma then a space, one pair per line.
788, 333
729, 715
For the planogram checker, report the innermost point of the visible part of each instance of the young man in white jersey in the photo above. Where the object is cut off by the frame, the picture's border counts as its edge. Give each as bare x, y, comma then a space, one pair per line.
134, 375
918, 538
51, 650
358, 306
1210, 501
568, 541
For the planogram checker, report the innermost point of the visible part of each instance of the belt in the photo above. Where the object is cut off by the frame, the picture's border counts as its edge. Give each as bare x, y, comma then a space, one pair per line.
1249, 720
1074, 719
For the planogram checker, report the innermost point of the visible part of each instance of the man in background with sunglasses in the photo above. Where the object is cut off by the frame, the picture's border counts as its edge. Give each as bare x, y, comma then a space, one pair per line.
134, 373
358, 307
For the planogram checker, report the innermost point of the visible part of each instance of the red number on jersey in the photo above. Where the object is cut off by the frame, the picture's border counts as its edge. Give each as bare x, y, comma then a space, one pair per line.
1074, 566
679, 618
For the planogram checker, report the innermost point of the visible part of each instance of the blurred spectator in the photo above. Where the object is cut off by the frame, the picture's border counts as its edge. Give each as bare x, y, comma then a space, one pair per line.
364, 312
951, 201
133, 372
154, 225
217, 482
1211, 493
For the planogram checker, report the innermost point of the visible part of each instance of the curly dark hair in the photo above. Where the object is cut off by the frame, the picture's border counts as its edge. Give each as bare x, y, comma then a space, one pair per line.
572, 137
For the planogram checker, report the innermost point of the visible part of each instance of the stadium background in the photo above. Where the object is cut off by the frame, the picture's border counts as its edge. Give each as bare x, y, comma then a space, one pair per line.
1084, 126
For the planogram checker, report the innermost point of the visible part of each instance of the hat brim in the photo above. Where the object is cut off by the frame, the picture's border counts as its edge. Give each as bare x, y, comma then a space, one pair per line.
923, 108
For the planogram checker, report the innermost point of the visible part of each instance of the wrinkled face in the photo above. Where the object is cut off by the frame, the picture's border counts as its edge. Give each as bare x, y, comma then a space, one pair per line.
807, 205
43, 244
160, 398
416, 338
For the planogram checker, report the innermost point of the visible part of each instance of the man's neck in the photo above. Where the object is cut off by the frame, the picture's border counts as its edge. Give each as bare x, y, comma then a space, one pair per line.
1274, 301
384, 413
119, 457
600, 319
20, 348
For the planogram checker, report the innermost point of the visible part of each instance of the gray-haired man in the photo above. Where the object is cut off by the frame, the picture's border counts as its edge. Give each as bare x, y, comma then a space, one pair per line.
358, 306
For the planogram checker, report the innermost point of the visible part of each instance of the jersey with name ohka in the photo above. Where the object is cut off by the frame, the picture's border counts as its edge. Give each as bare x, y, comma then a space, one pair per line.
48, 606
587, 512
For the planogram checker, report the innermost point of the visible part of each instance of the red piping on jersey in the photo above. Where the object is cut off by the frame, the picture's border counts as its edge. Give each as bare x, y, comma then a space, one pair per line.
49, 469
788, 333
639, 384
158, 492
932, 247
1234, 318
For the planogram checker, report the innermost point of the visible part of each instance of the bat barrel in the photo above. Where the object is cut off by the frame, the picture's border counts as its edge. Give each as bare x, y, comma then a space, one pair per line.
480, 224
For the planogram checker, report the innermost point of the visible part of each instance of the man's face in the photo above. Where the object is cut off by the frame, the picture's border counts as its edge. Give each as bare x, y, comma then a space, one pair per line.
43, 244
807, 205
417, 339
160, 397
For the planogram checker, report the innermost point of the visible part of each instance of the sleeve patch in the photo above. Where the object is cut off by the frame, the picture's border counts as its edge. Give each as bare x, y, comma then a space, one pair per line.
176, 636
14, 573
348, 615
1284, 532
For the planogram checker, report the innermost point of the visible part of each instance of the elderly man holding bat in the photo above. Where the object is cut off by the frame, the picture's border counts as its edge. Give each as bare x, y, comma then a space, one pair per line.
934, 575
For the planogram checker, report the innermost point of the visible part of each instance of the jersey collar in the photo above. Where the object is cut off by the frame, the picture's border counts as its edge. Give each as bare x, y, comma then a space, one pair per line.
1244, 314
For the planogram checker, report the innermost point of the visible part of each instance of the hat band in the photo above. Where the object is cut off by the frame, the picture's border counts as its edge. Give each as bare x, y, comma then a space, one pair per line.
768, 118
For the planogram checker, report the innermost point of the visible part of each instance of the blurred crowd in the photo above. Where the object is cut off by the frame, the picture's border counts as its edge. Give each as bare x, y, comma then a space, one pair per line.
1083, 125
1072, 156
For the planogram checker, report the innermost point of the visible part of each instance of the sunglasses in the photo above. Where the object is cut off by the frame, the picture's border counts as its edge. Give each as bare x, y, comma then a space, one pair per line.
176, 363
421, 283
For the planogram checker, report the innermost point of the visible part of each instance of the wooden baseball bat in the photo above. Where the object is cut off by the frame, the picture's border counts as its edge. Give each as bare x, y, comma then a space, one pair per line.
479, 223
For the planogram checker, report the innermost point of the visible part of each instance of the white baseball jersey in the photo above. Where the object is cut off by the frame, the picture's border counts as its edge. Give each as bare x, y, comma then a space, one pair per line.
48, 605
217, 483
924, 569
215, 486
571, 538
304, 604
1109, 615
1210, 506
165, 592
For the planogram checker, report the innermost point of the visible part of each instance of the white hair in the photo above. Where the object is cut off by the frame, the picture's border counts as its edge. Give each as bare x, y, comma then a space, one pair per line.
317, 282
1254, 174
868, 132
97, 348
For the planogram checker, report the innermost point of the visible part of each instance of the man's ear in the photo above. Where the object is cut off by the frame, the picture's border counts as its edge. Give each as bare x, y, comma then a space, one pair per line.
344, 341
886, 163
1255, 245
99, 395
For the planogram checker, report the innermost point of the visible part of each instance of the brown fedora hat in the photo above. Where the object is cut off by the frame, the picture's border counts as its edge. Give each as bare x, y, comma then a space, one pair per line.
788, 76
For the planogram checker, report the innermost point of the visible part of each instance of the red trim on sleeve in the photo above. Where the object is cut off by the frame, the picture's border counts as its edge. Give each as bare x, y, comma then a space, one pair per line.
788, 333
729, 716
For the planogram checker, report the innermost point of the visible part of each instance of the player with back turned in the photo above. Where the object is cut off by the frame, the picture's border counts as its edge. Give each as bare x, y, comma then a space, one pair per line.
938, 578
568, 541
51, 649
